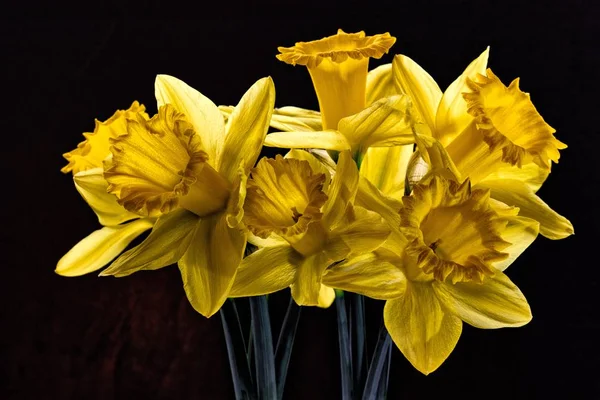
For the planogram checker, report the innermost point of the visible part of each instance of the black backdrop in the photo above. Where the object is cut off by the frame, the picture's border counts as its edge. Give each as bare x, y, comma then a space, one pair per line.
137, 337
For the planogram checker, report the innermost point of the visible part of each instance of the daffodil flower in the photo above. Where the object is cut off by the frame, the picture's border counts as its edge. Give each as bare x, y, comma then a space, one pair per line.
303, 224
338, 66
452, 248
488, 132
120, 226
188, 169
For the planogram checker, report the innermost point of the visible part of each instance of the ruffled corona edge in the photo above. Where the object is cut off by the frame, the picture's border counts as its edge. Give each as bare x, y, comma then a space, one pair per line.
338, 48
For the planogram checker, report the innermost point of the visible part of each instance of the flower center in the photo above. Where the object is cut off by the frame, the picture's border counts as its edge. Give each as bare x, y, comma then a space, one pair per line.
510, 121
453, 232
338, 67
159, 164
283, 196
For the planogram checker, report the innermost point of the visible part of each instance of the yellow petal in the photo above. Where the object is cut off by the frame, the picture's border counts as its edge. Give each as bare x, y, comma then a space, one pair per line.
365, 231
530, 174
265, 271
369, 197
307, 286
472, 155
287, 118
296, 119
92, 186
384, 123
326, 297
235, 204
520, 232
437, 158
517, 193
209, 265
199, 109
169, 239
452, 117
496, 303
247, 127
368, 275
385, 167
328, 140
420, 327
342, 190
380, 83
424, 92
99, 248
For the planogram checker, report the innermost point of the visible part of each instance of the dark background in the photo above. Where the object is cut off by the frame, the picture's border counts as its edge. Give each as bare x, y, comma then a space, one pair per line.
137, 337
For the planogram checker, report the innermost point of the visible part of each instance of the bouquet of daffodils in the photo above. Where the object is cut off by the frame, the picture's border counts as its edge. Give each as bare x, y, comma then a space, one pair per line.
393, 190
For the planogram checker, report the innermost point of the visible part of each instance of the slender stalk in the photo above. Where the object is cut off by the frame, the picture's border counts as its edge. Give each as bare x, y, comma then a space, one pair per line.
236, 351
285, 343
345, 347
266, 386
359, 355
385, 375
376, 374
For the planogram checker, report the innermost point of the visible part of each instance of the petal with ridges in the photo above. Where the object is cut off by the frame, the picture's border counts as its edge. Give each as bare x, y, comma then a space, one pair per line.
247, 128
424, 92
209, 265
380, 83
452, 116
199, 109
328, 140
384, 123
307, 286
165, 245
495, 303
419, 326
520, 232
100, 247
367, 274
266, 271
342, 190
364, 232
92, 187
385, 167
517, 193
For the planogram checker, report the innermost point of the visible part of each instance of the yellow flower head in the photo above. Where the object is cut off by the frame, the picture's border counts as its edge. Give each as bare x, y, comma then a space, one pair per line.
509, 121
308, 222
159, 164
453, 233
283, 196
96, 147
338, 67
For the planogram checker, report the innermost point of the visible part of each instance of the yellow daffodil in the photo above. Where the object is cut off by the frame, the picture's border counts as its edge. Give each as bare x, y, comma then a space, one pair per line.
85, 163
338, 66
488, 132
188, 169
452, 246
303, 224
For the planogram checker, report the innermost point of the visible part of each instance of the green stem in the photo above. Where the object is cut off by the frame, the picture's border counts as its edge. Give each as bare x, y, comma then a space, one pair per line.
236, 351
285, 343
266, 386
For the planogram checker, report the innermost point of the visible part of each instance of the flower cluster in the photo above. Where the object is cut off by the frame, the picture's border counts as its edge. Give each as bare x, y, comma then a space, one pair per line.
394, 190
